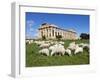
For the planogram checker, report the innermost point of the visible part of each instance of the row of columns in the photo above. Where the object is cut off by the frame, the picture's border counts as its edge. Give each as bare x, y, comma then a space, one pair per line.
52, 32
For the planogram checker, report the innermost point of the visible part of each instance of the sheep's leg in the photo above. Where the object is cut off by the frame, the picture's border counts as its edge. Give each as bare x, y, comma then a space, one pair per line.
70, 54
63, 53
52, 53
47, 54
60, 54
75, 52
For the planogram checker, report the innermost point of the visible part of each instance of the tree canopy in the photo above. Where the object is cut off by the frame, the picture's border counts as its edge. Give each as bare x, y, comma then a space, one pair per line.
84, 36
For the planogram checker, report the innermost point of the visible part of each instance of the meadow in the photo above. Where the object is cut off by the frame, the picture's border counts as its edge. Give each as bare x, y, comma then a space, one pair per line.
34, 59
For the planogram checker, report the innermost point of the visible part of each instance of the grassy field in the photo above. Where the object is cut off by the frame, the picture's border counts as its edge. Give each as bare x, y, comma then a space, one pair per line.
33, 58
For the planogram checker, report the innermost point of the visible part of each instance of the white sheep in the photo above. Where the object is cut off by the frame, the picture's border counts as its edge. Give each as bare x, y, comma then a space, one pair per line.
72, 46
45, 45
78, 49
81, 44
68, 51
39, 42
61, 42
51, 47
44, 51
52, 43
29, 41
84, 45
58, 48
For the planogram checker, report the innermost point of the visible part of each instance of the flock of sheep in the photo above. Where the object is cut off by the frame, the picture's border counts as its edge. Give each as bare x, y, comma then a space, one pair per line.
50, 48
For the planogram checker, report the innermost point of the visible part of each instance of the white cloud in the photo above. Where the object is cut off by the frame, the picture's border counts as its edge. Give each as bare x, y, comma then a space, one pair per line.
33, 33
30, 23
33, 30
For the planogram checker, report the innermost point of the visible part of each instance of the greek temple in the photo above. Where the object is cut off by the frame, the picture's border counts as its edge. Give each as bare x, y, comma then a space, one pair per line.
50, 31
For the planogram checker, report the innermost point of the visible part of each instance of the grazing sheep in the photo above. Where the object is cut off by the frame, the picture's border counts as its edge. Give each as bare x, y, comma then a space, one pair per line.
68, 51
29, 41
58, 48
78, 49
51, 47
45, 45
84, 45
44, 51
81, 44
61, 42
51, 43
72, 46
39, 42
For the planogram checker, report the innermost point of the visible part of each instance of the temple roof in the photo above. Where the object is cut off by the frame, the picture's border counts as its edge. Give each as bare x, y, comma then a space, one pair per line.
54, 25
72, 30
46, 25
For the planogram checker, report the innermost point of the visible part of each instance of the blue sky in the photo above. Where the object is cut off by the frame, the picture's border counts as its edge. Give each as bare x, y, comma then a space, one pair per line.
80, 23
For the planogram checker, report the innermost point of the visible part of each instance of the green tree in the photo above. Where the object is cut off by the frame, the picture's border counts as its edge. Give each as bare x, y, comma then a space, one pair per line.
84, 36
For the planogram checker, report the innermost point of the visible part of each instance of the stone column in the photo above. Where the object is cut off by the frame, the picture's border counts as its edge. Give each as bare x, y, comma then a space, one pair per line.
42, 32
51, 32
65, 35
39, 33
54, 32
57, 32
70, 35
45, 32
62, 33
48, 32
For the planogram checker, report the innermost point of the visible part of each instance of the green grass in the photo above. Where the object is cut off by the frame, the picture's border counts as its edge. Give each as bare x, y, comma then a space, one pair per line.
33, 58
